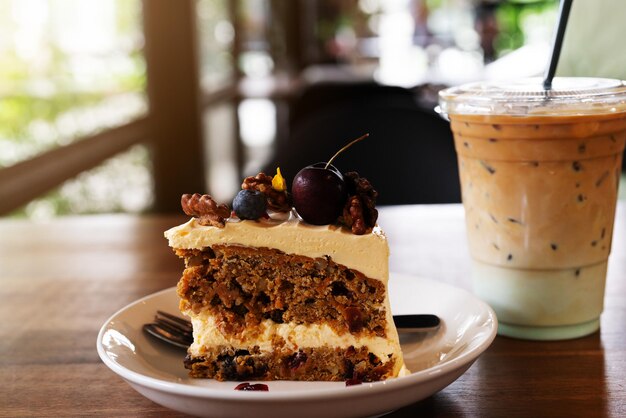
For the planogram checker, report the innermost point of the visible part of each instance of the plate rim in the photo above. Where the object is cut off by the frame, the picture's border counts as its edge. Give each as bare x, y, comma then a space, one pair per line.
386, 386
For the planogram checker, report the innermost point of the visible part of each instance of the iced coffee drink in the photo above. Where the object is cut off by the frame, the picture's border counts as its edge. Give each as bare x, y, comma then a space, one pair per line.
539, 175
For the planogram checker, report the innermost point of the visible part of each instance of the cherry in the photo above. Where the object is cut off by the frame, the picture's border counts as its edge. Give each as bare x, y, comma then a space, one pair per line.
319, 191
319, 194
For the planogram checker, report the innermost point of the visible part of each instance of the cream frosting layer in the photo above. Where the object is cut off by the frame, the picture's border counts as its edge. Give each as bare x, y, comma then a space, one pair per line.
367, 253
207, 335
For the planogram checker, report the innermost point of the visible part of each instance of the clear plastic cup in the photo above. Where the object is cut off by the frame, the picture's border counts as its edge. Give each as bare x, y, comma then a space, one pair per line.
539, 175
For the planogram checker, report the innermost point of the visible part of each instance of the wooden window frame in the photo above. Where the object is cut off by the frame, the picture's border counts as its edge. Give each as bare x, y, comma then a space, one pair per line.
172, 128
172, 124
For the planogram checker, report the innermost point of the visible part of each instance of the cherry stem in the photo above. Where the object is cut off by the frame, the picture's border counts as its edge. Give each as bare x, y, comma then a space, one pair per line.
361, 138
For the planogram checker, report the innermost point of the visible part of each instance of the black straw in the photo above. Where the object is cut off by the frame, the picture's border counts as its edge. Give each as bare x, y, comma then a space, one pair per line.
565, 7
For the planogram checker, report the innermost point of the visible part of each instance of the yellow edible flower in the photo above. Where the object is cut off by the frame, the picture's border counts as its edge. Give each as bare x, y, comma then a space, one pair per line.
278, 182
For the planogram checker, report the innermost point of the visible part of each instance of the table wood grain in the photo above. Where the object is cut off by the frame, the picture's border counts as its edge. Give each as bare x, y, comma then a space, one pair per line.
61, 279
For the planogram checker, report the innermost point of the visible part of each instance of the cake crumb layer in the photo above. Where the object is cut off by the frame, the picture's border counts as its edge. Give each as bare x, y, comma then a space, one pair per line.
368, 253
242, 286
308, 364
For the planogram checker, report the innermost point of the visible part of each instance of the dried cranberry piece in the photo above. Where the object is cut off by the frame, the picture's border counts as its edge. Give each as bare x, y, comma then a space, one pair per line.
354, 318
249, 387
297, 360
354, 381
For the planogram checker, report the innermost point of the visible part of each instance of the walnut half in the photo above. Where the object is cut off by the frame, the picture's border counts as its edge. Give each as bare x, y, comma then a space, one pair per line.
277, 200
205, 209
360, 213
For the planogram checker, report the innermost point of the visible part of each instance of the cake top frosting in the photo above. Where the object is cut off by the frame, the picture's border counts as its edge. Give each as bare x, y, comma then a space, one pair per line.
367, 253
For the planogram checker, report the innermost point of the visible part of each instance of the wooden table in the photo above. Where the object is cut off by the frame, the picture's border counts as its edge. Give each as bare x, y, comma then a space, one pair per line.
60, 280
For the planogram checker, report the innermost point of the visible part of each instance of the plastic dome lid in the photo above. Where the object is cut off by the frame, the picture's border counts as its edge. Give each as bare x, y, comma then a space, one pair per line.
568, 96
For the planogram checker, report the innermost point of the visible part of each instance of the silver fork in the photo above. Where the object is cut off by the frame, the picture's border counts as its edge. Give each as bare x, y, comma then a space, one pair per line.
179, 332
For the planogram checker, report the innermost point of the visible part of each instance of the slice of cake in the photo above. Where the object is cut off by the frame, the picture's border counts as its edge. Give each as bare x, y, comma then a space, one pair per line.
276, 298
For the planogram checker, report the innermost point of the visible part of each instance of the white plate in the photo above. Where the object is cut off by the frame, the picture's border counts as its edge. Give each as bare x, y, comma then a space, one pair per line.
436, 359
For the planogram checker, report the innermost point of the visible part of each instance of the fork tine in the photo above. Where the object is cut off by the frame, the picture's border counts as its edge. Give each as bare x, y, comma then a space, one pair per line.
182, 321
162, 334
173, 325
185, 328
173, 328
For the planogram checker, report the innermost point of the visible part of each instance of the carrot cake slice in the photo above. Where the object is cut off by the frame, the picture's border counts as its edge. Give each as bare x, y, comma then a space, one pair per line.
277, 298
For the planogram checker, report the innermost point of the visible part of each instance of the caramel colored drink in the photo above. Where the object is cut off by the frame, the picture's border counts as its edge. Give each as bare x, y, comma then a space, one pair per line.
539, 176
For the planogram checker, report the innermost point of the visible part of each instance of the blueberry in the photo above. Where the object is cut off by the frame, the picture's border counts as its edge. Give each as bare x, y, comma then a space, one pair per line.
250, 204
